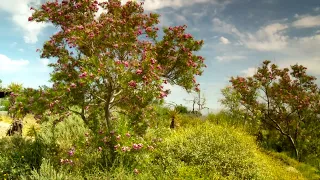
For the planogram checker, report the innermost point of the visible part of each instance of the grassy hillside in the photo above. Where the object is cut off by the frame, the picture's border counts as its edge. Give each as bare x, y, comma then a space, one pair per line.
209, 151
196, 150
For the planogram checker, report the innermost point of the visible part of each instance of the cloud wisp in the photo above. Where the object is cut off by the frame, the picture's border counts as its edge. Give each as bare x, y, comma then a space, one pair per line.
10, 65
19, 11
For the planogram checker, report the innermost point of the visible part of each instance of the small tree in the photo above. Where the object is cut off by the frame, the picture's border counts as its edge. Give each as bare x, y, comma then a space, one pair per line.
114, 62
288, 101
197, 101
236, 111
181, 109
174, 112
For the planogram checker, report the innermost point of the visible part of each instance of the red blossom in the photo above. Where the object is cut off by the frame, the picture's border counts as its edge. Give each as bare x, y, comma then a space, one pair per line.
139, 71
132, 83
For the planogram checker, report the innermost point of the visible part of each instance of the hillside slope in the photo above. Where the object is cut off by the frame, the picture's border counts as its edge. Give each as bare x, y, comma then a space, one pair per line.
209, 151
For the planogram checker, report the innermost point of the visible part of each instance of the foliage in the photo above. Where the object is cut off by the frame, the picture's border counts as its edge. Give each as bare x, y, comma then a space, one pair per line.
181, 109
198, 100
19, 155
5, 103
196, 149
233, 106
114, 62
288, 101
306, 170
214, 152
47, 171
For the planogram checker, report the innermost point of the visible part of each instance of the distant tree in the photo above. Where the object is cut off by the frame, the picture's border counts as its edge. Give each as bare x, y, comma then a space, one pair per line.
197, 101
181, 109
237, 112
288, 100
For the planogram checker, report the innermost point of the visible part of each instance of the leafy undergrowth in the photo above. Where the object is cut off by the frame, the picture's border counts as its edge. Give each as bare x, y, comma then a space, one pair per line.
195, 150
5, 122
29, 125
209, 151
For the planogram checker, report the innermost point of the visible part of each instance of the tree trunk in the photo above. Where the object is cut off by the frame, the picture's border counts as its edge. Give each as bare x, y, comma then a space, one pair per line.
293, 143
15, 128
109, 127
107, 117
172, 123
194, 102
199, 105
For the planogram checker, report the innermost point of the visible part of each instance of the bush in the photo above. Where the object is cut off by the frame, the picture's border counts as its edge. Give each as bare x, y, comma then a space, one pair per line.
196, 150
4, 104
47, 171
210, 151
181, 109
19, 155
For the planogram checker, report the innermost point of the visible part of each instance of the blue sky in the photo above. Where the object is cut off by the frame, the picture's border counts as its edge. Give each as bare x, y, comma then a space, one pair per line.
238, 35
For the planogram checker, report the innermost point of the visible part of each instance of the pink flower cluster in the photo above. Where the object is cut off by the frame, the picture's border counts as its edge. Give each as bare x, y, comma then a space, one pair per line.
118, 137
128, 134
163, 94
83, 75
116, 146
125, 148
137, 146
139, 71
132, 83
72, 151
66, 161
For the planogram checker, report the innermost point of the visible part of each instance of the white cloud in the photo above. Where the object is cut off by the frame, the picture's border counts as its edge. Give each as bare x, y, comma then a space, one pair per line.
249, 72
158, 4
9, 65
198, 15
224, 40
181, 19
307, 21
151, 5
44, 62
230, 58
165, 20
20, 11
223, 27
304, 47
268, 38
273, 37
21, 50
312, 64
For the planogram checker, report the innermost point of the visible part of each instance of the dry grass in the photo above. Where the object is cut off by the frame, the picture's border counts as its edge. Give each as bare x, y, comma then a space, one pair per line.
29, 123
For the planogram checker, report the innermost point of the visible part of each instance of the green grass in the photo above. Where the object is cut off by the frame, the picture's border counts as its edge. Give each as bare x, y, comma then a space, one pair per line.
209, 151
197, 149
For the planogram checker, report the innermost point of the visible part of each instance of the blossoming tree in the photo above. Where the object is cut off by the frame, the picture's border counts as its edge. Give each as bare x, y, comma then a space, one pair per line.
114, 61
288, 101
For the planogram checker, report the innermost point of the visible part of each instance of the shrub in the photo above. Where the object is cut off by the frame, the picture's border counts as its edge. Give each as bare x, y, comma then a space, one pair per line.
210, 151
19, 155
47, 171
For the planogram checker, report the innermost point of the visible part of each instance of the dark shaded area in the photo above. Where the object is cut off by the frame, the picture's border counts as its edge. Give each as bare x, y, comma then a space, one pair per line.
4, 94
16, 127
